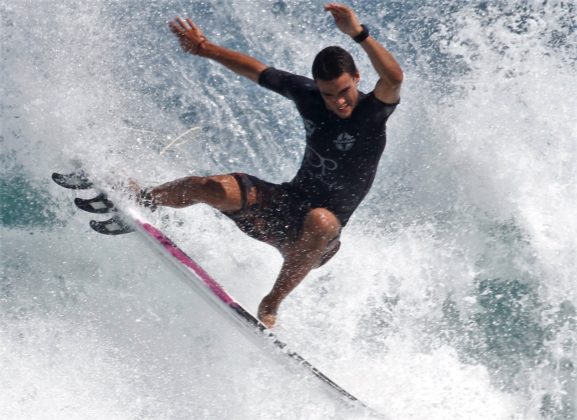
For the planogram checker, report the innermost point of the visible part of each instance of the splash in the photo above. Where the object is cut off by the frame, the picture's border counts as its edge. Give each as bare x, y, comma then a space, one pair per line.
454, 290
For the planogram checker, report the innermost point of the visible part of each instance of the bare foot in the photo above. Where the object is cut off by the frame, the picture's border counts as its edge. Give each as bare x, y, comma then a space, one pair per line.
141, 196
267, 311
268, 320
133, 187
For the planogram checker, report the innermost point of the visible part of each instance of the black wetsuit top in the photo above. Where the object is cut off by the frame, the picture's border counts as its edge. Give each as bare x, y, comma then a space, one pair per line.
342, 155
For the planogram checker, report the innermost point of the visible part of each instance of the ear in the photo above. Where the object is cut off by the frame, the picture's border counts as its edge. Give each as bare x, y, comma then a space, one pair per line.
357, 77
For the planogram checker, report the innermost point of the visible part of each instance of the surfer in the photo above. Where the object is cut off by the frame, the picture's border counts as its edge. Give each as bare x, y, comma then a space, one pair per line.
345, 137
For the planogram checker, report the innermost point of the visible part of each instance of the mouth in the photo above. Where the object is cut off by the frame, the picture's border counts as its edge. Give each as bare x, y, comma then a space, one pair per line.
342, 107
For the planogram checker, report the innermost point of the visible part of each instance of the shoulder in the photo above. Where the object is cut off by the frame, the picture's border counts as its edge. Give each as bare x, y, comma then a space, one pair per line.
291, 86
371, 111
274, 77
373, 104
387, 92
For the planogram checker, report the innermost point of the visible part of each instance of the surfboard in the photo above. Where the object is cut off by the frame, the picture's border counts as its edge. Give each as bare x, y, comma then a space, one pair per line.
130, 220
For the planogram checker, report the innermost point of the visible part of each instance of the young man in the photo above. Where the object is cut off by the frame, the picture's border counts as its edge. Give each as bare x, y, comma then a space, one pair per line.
345, 137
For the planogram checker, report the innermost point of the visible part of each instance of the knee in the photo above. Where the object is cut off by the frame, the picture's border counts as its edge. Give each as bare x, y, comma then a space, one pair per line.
322, 223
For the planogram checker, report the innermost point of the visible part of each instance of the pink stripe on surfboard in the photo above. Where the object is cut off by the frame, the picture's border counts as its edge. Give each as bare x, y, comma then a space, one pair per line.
179, 254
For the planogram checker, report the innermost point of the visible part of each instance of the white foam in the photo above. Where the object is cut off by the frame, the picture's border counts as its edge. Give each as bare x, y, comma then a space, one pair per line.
477, 183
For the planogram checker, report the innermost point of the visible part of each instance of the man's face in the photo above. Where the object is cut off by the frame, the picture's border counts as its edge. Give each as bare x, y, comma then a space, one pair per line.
341, 94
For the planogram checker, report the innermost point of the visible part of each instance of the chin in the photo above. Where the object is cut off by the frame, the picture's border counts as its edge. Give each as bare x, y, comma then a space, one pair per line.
345, 114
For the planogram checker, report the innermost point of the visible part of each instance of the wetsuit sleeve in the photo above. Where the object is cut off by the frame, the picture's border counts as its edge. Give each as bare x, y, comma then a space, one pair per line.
287, 84
381, 108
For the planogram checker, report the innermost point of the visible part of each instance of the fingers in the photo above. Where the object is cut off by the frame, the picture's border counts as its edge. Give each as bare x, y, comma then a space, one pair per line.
174, 28
345, 18
338, 9
180, 27
189, 35
340, 12
190, 23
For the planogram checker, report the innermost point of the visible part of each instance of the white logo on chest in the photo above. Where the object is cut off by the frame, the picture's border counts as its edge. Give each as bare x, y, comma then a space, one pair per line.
344, 142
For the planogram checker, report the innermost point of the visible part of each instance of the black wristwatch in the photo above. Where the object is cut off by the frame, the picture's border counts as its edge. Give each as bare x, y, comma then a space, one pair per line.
363, 35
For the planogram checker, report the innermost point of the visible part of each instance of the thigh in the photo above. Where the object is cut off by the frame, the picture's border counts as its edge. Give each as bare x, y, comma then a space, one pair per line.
268, 213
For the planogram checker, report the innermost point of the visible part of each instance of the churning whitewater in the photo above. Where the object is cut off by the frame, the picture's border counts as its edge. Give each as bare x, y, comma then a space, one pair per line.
454, 293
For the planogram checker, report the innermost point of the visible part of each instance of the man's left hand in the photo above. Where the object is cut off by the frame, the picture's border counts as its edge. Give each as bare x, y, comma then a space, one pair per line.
345, 19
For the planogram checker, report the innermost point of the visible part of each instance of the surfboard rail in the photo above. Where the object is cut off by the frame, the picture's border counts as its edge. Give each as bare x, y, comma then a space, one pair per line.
130, 220
196, 277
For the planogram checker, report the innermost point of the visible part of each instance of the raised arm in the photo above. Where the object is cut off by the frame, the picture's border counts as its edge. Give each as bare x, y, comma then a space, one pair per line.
388, 88
194, 42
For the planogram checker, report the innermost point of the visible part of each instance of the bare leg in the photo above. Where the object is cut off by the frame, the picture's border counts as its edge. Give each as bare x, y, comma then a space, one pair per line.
220, 191
223, 193
320, 227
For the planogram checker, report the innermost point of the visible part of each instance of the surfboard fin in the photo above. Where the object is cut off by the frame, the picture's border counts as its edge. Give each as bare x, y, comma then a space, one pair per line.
99, 204
74, 181
112, 226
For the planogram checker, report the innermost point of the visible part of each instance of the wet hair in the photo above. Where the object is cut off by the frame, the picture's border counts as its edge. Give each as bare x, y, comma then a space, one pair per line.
332, 62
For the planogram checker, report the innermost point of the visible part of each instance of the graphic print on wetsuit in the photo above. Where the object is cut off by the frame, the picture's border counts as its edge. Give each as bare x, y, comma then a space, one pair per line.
321, 165
343, 142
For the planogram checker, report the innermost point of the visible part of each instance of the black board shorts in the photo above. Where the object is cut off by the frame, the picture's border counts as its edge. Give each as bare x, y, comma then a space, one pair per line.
271, 213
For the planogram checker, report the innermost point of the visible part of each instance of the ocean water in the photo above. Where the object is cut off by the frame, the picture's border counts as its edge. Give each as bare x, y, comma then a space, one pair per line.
453, 296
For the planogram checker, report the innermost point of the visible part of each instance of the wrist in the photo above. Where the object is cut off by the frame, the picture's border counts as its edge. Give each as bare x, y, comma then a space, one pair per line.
361, 35
200, 46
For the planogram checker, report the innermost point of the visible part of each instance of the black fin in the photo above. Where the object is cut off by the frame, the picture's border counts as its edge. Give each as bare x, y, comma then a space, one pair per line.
74, 181
113, 226
99, 204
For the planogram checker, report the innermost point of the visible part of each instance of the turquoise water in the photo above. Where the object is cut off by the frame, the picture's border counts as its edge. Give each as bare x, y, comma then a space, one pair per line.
454, 293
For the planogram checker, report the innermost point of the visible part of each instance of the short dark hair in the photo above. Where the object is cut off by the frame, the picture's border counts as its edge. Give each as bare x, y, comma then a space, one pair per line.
331, 62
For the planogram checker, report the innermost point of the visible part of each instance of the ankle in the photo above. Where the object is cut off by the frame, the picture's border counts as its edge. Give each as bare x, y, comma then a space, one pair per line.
268, 306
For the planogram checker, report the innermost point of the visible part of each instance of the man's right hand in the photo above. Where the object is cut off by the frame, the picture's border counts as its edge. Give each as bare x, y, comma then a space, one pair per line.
189, 35
194, 42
